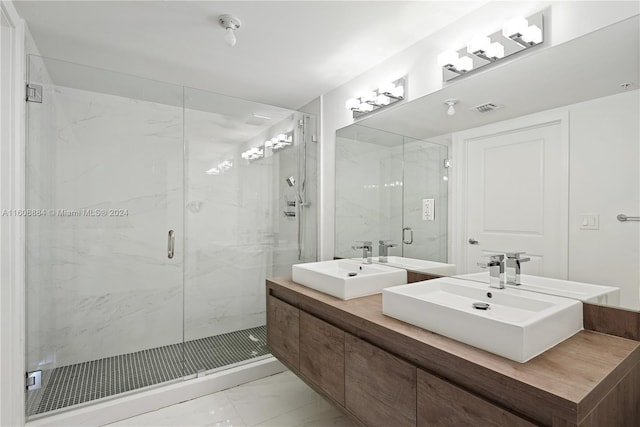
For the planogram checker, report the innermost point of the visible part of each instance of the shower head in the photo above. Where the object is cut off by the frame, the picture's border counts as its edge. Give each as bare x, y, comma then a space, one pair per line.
291, 182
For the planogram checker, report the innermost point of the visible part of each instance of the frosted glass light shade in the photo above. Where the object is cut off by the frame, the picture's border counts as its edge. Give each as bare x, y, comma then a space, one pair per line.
515, 27
386, 87
364, 107
383, 100
478, 45
368, 96
532, 35
448, 58
398, 91
230, 37
464, 64
495, 51
351, 103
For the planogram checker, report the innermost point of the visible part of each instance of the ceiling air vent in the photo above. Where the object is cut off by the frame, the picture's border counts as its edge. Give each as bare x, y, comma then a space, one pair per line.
487, 107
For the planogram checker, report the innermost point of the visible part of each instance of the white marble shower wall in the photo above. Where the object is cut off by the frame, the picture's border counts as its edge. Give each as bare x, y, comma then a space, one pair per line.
368, 192
423, 179
98, 286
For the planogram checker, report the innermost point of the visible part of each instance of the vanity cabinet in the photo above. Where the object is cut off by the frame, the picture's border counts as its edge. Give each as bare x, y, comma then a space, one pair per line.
283, 331
322, 357
383, 372
380, 388
442, 404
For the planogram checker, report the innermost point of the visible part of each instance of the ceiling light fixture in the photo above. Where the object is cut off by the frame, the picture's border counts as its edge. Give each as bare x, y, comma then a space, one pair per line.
372, 100
229, 23
517, 35
451, 110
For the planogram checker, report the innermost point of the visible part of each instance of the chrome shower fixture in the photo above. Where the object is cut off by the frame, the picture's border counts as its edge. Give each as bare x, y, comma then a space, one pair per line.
229, 23
291, 181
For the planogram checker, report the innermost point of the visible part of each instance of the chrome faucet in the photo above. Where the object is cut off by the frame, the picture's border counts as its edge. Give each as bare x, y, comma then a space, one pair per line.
513, 267
496, 270
383, 250
367, 248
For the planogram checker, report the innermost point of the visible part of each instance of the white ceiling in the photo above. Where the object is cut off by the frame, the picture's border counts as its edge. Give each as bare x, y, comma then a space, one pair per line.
287, 53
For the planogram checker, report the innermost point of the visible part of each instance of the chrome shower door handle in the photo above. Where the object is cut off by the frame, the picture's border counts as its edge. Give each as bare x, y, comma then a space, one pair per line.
473, 241
404, 239
171, 241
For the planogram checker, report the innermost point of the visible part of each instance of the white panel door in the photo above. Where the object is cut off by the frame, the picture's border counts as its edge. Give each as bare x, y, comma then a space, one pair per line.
516, 197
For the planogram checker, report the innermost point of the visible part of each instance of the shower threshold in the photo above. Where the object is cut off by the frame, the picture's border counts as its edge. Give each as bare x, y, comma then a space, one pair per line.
96, 379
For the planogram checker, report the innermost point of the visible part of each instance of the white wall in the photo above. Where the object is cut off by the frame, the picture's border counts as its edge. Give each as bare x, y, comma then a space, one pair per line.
604, 179
564, 21
12, 31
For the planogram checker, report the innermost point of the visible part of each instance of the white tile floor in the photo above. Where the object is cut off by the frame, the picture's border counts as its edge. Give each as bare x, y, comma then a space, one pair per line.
281, 400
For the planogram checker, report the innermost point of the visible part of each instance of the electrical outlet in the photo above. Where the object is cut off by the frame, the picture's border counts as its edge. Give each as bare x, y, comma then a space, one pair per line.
428, 209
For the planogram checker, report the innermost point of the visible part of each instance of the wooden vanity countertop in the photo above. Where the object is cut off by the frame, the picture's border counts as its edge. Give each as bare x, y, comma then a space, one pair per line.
565, 382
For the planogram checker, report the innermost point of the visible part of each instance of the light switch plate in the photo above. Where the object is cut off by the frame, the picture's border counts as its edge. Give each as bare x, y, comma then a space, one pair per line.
428, 209
589, 222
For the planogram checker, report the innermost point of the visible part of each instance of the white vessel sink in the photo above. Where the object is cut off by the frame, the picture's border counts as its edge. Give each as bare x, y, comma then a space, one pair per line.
346, 279
423, 266
585, 292
518, 325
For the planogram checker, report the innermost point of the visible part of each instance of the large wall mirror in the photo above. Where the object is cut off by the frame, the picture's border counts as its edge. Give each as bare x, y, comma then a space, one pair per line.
546, 169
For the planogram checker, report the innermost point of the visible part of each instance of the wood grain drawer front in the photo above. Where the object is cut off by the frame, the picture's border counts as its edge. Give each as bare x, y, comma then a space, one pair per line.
283, 331
442, 404
380, 388
322, 355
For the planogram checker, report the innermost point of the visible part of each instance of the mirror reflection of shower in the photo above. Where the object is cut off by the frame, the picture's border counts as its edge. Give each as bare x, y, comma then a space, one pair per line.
291, 181
298, 204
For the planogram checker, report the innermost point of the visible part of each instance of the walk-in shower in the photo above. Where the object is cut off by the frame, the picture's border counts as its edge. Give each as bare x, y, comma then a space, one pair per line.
155, 231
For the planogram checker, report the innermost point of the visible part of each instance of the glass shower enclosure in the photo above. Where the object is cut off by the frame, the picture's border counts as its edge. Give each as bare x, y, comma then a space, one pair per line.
157, 212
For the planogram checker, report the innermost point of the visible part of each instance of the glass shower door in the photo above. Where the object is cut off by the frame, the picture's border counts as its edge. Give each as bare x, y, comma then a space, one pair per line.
244, 181
104, 234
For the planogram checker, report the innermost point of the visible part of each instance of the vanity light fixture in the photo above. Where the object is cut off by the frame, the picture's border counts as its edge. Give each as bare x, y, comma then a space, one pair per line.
253, 153
279, 141
519, 30
517, 35
386, 94
221, 168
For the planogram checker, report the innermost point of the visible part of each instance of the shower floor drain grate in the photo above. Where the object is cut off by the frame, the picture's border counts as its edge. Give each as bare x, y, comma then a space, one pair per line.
82, 382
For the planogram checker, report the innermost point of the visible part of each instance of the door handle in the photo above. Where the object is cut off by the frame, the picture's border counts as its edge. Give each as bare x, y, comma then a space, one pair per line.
404, 239
473, 241
171, 243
